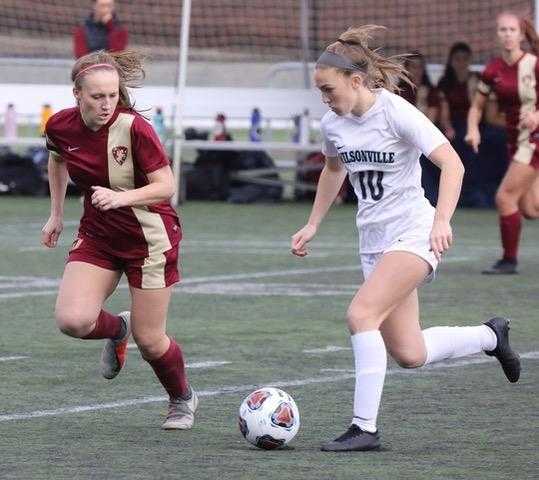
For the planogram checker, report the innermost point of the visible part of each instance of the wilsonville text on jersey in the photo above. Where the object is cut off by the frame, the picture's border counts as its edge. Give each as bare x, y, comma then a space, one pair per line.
367, 156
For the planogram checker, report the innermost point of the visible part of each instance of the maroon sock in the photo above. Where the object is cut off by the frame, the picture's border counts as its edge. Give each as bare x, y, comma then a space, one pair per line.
170, 370
510, 226
106, 326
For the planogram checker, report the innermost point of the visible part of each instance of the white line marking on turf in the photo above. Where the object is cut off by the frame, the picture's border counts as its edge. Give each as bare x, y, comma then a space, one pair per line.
208, 364
230, 389
328, 349
14, 357
269, 289
28, 294
194, 280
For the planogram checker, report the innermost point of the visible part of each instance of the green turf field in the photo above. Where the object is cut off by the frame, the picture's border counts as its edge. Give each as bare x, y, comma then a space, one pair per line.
264, 317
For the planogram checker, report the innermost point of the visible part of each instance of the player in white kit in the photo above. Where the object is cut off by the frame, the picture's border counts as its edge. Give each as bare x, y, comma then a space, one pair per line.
376, 138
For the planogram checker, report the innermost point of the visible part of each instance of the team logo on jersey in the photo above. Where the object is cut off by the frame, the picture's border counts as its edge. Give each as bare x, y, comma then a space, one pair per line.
120, 154
256, 399
283, 416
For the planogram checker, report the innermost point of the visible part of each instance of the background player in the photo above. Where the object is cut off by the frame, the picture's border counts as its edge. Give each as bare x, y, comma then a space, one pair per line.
114, 156
377, 138
513, 77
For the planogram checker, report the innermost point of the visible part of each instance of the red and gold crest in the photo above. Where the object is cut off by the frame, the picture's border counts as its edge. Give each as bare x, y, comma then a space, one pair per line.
120, 154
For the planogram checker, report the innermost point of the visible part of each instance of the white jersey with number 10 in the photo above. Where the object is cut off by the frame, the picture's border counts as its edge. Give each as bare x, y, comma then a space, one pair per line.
380, 150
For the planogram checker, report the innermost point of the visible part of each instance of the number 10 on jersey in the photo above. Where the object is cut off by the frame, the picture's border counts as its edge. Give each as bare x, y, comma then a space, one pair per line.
374, 187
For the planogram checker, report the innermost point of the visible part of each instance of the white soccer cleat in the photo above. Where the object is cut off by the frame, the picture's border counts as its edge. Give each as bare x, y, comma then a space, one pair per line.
114, 353
181, 413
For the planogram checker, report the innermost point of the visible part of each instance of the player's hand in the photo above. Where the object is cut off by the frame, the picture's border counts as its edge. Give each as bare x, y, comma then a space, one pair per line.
441, 237
106, 199
51, 231
529, 120
301, 238
473, 138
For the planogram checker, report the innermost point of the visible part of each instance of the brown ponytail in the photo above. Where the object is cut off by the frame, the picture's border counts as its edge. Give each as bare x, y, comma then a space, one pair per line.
380, 71
531, 34
128, 64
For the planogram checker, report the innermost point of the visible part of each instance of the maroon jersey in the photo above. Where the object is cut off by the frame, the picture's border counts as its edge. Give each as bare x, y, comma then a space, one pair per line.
517, 91
458, 96
117, 156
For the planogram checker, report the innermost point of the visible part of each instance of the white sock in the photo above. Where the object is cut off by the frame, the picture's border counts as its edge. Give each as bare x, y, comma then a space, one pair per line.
371, 363
453, 342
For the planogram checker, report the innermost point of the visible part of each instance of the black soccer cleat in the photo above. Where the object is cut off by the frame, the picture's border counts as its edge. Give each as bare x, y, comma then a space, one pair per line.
502, 267
353, 440
508, 358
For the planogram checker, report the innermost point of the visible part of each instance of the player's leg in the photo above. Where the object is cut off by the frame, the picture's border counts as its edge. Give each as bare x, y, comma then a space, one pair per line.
394, 278
91, 275
411, 347
83, 290
529, 204
148, 323
516, 182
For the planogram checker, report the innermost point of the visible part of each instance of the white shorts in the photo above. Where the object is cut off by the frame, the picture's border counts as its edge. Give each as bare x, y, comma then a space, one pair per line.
416, 242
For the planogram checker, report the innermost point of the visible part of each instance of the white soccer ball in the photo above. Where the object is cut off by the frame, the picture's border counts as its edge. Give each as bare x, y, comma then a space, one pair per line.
269, 418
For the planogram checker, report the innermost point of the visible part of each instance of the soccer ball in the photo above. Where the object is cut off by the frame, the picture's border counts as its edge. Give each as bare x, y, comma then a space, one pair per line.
269, 418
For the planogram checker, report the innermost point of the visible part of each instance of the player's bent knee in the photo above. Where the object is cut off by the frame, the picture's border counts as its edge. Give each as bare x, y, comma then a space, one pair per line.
409, 359
150, 346
529, 214
73, 323
502, 199
362, 320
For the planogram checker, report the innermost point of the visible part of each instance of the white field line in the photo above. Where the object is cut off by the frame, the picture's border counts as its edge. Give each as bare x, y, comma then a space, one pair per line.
14, 357
28, 294
207, 364
328, 349
236, 389
12, 282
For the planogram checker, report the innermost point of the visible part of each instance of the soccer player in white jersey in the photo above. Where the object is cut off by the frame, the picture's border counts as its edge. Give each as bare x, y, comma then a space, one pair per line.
376, 137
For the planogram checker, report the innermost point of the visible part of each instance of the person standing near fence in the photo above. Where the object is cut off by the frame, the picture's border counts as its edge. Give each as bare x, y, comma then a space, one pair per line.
10, 122
514, 78
377, 137
457, 86
128, 226
100, 31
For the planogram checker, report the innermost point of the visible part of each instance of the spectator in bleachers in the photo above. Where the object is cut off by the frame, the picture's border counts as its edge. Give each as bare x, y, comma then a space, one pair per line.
426, 98
457, 86
100, 31
458, 83
46, 113
10, 121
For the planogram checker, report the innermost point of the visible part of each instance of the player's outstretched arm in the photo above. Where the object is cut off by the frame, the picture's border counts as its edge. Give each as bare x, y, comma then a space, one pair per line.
57, 173
329, 184
473, 137
452, 172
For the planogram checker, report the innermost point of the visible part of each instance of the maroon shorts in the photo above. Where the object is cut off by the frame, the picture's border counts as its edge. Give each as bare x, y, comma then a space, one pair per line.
158, 270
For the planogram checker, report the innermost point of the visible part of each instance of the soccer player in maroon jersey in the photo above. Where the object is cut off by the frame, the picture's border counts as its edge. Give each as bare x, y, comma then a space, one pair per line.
128, 226
513, 77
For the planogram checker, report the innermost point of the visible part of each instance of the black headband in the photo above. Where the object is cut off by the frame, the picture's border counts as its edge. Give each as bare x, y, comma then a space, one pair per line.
331, 59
